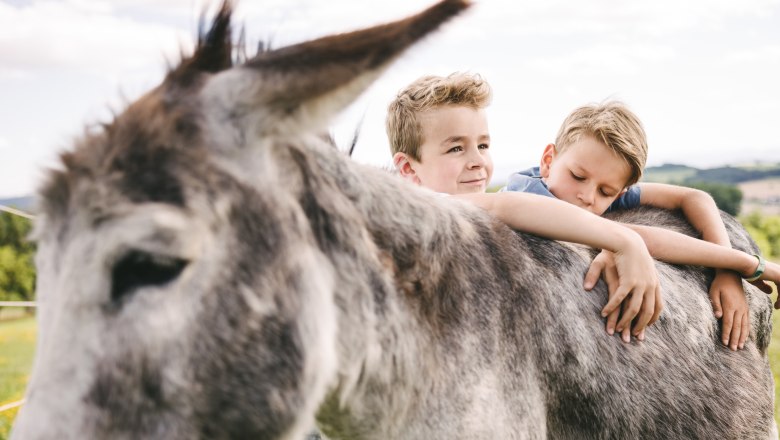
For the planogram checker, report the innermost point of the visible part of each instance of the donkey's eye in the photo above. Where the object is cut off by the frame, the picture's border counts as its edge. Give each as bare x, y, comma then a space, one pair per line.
143, 269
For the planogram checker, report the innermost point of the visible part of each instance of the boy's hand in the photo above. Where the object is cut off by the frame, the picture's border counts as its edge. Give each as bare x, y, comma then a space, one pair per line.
604, 266
771, 274
729, 304
644, 301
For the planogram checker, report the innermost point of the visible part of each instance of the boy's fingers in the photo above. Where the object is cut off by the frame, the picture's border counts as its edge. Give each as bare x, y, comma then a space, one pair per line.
593, 274
745, 330
717, 309
736, 332
615, 300
725, 329
763, 286
645, 313
659, 305
630, 311
612, 321
626, 334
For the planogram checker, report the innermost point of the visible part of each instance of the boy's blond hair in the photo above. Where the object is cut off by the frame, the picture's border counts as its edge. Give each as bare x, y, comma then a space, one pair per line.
613, 124
403, 125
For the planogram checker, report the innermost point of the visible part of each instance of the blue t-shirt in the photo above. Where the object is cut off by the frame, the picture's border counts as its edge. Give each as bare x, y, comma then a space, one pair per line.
530, 180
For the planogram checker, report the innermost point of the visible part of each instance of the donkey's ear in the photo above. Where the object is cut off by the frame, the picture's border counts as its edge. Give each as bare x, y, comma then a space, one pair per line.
213, 52
316, 79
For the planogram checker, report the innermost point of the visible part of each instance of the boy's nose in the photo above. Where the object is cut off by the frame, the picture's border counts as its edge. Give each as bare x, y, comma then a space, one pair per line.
476, 160
586, 197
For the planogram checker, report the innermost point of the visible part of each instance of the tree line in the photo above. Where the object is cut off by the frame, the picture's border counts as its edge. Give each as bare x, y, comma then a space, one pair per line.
17, 272
765, 231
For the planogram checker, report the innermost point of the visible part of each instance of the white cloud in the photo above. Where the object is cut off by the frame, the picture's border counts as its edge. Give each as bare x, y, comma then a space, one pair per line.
81, 35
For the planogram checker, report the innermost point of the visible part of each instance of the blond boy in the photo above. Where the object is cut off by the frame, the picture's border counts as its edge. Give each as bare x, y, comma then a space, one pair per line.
439, 138
597, 159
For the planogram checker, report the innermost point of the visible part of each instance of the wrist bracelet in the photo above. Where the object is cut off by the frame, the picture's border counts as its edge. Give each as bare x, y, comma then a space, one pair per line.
759, 270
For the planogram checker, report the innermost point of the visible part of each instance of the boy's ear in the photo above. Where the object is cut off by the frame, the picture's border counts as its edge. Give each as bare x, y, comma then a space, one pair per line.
547, 159
403, 163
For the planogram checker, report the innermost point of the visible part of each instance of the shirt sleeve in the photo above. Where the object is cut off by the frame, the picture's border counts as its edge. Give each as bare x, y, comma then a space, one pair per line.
521, 182
627, 200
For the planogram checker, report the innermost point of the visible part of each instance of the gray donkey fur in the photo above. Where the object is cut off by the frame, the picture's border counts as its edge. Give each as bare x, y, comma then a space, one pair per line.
209, 267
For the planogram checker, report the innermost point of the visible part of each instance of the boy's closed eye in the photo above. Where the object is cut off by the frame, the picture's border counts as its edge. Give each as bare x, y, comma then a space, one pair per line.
606, 193
455, 149
577, 178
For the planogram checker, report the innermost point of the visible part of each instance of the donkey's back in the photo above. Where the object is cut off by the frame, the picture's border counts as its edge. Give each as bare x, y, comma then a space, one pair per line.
681, 382
506, 344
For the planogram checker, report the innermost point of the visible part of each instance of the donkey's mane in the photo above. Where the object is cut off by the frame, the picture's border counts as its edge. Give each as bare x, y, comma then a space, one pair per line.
122, 146
213, 52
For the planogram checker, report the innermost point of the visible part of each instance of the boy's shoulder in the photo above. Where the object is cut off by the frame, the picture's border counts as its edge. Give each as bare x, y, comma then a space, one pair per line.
529, 180
628, 200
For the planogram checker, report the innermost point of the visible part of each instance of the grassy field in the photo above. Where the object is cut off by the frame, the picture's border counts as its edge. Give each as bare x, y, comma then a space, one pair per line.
17, 343
774, 357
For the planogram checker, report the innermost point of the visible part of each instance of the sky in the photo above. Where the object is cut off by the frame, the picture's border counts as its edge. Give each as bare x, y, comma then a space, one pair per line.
702, 75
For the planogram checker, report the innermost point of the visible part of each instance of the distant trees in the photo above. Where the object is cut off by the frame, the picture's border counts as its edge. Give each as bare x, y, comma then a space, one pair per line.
728, 197
765, 230
17, 272
734, 174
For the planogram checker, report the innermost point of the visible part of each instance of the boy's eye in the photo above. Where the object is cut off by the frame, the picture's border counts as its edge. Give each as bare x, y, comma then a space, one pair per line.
577, 178
606, 193
456, 149
483, 146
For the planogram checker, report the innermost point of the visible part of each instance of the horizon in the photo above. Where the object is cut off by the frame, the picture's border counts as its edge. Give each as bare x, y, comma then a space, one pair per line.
501, 182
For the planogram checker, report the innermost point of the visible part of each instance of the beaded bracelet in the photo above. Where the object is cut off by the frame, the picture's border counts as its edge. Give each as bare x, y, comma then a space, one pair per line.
759, 270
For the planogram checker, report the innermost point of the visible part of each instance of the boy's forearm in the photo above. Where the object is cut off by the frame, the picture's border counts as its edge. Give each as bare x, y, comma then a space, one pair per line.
698, 207
703, 214
676, 248
553, 219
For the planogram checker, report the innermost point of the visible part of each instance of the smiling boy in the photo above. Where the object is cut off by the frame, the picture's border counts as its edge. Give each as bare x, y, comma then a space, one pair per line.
447, 132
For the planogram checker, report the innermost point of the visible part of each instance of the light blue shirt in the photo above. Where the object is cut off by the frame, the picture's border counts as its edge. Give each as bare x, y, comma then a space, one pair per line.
530, 181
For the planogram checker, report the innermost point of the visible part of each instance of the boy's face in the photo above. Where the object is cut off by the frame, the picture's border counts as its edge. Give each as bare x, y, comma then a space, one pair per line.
586, 174
454, 156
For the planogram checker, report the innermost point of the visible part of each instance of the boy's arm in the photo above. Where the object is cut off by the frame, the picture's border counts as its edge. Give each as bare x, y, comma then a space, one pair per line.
728, 298
558, 220
677, 248
698, 207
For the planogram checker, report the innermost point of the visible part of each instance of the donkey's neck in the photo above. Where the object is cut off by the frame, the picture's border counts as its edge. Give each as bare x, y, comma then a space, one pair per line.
399, 254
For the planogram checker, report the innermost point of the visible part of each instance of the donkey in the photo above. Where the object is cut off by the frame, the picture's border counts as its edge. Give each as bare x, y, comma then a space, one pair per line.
210, 267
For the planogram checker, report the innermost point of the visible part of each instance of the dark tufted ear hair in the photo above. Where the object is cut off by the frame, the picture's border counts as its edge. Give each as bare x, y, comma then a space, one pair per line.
299, 88
213, 52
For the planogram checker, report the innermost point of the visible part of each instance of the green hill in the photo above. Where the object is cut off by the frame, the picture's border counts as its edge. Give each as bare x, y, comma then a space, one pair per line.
675, 173
26, 204
669, 173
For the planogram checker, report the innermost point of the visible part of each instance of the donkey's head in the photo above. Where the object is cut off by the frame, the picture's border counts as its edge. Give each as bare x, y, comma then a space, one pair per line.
182, 290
